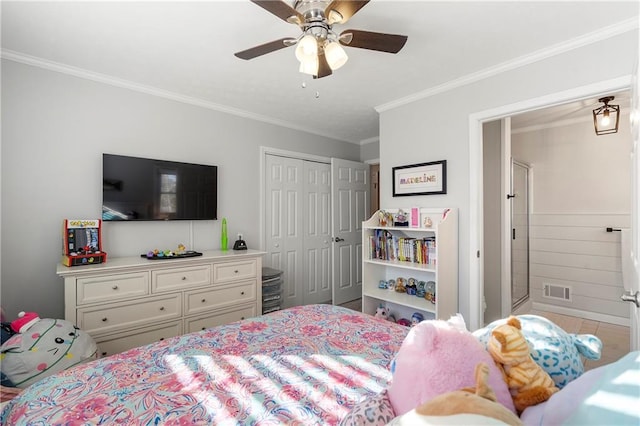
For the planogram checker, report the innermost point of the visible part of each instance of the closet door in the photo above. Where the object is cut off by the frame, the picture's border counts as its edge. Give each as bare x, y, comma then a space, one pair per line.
317, 233
284, 241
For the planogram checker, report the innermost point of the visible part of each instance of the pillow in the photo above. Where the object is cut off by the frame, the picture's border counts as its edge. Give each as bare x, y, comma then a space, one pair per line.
374, 410
414, 419
45, 347
438, 357
552, 348
606, 395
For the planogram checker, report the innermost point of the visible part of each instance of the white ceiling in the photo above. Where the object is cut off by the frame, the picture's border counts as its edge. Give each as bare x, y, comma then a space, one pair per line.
185, 50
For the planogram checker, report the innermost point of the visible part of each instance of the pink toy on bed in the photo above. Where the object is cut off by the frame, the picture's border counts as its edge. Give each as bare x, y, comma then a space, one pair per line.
438, 357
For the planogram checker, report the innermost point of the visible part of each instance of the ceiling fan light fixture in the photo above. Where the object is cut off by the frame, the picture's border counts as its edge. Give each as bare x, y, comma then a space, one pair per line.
307, 48
309, 66
335, 54
334, 17
607, 117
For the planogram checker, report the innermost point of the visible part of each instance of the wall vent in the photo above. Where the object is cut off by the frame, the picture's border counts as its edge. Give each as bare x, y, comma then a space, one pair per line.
554, 291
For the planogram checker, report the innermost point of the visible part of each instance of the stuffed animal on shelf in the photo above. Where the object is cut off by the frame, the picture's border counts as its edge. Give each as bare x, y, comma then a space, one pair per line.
558, 353
43, 347
382, 312
528, 383
465, 406
438, 357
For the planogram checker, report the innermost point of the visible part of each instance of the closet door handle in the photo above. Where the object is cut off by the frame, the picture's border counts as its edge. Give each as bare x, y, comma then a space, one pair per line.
513, 233
509, 196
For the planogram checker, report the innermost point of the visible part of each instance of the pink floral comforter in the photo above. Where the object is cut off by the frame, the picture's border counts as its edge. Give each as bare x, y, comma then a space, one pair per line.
306, 365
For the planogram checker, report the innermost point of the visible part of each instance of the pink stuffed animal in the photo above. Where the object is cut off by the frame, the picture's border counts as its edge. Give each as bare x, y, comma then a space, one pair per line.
438, 357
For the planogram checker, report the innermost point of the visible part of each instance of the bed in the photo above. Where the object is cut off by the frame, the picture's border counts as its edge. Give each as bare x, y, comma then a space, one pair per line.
305, 365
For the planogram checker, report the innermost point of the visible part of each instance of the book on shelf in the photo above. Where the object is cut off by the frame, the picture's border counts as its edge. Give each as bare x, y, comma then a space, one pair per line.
383, 245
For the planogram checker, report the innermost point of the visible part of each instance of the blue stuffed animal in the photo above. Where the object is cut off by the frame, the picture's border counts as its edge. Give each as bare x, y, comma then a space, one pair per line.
42, 347
552, 348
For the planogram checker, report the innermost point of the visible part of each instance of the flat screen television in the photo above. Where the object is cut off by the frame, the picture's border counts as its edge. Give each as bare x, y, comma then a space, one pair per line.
145, 189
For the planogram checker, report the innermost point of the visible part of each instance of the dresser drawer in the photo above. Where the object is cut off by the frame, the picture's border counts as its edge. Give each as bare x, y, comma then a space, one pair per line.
198, 301
204, 322
233, 271
120, 342
137, 312
179, 278
107, 288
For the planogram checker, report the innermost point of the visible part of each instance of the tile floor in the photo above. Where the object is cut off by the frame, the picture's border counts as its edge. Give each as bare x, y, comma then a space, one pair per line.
615, 338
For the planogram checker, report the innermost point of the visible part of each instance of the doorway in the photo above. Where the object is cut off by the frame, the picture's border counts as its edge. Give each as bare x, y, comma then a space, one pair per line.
476, 121
374, 171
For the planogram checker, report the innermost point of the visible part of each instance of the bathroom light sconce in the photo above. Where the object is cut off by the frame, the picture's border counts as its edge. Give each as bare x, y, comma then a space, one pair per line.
606, 117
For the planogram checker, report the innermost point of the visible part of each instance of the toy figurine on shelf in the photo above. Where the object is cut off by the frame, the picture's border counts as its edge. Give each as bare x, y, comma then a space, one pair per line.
431, 292
416, 318
383, 284
400, 285
391, 284
382, 218
382, 312
401, 219
421, 289
404, 321
412, 287
427, 222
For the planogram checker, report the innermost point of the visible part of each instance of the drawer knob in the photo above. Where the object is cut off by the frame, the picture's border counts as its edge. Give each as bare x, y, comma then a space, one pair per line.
204, 300
236, 271
184, 278
162, 338
104, 319
241, 317
104, 354
115, 287
204, 328
242, 293
162, 308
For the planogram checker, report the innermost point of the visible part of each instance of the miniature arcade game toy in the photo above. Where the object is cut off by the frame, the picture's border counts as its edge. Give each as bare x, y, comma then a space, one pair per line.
82, 242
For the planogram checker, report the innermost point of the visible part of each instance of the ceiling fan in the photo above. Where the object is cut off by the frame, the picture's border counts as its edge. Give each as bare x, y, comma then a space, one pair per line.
319, 48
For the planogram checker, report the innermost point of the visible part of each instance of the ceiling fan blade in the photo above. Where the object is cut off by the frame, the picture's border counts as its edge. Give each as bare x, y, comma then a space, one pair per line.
391, 43
346, 8
282, 10
263, 49
323, 66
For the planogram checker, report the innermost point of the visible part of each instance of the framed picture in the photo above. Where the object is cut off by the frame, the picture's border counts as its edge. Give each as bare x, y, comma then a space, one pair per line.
420, 179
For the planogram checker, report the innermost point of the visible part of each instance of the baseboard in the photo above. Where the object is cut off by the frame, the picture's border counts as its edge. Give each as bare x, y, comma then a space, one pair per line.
581, 314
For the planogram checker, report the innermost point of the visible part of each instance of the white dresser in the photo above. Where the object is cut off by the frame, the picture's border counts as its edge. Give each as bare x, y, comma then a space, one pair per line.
132, 301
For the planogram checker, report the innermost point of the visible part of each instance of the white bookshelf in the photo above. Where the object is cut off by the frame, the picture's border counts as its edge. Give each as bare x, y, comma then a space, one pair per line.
441, 266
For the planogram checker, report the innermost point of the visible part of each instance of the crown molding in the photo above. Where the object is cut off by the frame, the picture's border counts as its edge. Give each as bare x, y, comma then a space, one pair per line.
154, 91
370, 140
604, 33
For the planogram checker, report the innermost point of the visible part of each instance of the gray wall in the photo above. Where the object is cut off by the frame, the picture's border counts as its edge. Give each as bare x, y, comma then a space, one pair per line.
370, 151
437, 127
569, 243
55, 128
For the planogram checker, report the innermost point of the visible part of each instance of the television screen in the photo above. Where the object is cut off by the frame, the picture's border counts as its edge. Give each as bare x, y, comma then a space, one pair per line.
145, 189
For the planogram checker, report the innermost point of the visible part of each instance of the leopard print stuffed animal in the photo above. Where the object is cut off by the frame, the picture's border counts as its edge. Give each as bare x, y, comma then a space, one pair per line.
528, 383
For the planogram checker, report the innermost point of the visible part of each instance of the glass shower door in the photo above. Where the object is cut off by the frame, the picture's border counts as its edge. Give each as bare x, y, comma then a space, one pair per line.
519, 233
